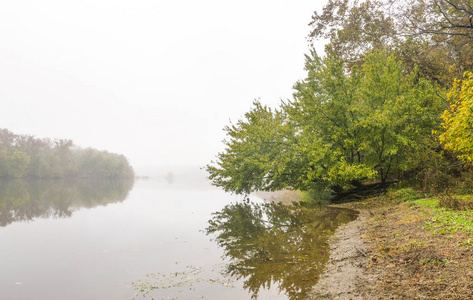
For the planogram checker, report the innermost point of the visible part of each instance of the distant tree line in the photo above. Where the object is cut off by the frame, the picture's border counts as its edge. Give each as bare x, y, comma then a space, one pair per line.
26, 156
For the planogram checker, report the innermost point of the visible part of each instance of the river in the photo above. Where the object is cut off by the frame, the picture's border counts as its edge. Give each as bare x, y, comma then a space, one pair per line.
171, 237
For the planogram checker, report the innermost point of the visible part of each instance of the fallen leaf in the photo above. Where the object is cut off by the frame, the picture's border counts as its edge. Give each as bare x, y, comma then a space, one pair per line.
447, 253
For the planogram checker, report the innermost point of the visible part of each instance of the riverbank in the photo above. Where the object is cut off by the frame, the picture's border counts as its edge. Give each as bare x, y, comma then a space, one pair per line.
344, 274
400, 250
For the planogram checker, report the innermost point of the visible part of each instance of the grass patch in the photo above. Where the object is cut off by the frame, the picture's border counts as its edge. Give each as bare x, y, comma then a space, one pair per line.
403, 195
444, 220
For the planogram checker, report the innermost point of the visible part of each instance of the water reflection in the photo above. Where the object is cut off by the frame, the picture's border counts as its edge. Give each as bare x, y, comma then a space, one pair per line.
22, 200
272, 243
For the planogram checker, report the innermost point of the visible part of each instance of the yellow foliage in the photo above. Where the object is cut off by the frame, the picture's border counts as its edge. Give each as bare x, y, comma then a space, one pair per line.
458, 120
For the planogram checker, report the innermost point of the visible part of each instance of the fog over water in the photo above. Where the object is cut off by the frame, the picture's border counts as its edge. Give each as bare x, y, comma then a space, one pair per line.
156, 81
153, 80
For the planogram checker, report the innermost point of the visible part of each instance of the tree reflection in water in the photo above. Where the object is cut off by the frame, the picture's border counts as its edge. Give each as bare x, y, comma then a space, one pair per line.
272, 243
22, 200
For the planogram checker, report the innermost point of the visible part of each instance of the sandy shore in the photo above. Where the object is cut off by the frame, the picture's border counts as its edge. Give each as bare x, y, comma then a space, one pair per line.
344, 276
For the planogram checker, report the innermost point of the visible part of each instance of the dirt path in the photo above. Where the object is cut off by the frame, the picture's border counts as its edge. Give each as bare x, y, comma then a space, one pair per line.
344, 276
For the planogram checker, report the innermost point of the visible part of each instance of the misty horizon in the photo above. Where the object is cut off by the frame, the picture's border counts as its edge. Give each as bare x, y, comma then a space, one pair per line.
154, 81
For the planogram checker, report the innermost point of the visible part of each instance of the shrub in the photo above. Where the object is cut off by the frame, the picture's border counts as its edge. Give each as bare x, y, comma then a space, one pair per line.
403, 195
456, 202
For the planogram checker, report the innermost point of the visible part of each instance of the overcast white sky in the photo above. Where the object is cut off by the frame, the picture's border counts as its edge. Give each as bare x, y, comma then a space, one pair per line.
154, 80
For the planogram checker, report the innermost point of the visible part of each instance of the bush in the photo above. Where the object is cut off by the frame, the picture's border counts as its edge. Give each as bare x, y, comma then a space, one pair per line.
456, 202
403, 195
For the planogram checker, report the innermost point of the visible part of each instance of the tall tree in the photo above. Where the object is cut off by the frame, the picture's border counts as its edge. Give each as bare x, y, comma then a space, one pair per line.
434, 36
370, 120
353, 28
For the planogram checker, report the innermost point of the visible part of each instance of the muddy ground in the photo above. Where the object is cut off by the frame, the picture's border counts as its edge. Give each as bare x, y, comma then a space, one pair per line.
387, 253
345, 270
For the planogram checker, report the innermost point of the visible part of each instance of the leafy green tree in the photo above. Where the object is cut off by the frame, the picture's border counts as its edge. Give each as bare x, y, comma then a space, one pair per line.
323, 111
371, 121
340, 129
92, 163
258, 151
38, 167
7, 138
17, 164
399, 112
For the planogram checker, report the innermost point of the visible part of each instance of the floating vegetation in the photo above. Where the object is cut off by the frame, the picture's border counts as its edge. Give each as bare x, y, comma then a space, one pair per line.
175, 282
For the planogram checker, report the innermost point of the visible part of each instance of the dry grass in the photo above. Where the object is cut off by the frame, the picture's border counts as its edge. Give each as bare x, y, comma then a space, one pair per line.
419, 249
419, 261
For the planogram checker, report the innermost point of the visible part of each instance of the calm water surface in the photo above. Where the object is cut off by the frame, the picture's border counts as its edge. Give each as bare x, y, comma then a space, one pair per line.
164, 238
